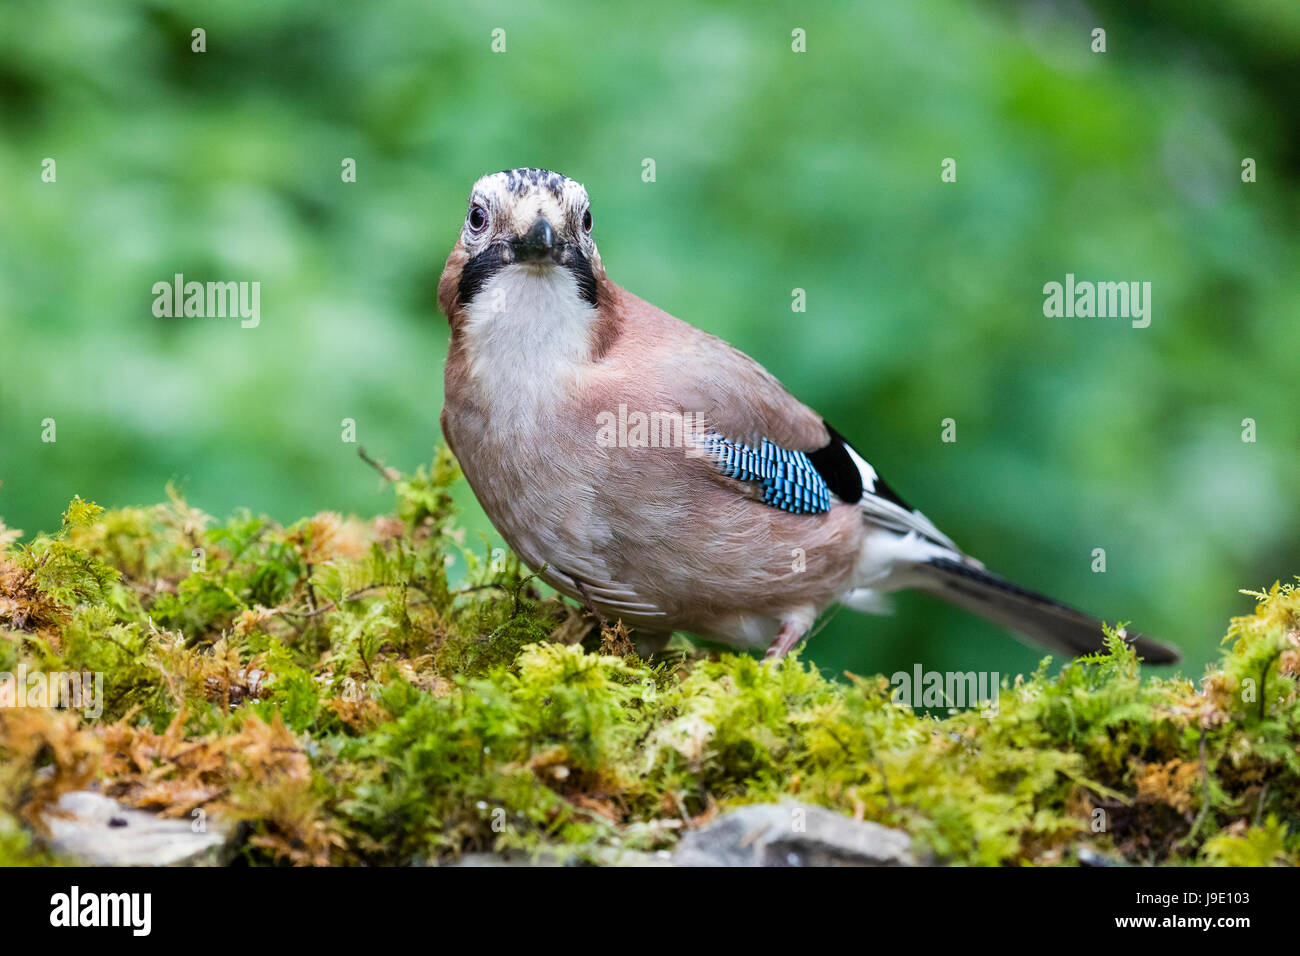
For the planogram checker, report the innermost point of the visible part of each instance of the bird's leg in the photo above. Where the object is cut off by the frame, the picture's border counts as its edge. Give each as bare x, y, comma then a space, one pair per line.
786, 638
586, 597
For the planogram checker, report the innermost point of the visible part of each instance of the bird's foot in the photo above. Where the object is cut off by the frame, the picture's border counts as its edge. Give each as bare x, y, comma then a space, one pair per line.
785, 640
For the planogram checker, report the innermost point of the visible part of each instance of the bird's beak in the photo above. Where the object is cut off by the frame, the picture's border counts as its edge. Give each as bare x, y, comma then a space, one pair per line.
538, 245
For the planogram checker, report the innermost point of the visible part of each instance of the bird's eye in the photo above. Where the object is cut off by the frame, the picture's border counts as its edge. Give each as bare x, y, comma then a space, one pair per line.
477, 218
586, 221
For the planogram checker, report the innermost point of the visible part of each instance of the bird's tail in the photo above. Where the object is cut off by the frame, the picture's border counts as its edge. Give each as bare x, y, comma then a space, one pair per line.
1032, 615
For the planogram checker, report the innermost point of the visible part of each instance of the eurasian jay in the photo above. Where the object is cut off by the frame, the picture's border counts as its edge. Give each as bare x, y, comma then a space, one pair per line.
657, 474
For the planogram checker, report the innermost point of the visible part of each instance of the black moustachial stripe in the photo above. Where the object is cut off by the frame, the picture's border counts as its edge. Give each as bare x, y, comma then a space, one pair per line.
496, 257
580, 266
478, 270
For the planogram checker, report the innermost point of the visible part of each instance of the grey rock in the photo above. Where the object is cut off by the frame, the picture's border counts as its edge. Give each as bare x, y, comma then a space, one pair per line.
793, 834
1087, 856
591, 856
95, 830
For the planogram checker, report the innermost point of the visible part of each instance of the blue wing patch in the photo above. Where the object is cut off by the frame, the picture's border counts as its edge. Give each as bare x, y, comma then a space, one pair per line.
788, 478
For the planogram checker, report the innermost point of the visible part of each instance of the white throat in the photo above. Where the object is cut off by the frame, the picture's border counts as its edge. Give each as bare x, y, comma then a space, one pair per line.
527, 333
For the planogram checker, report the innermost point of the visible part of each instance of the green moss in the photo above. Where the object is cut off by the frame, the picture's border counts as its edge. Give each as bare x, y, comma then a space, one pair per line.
327, 684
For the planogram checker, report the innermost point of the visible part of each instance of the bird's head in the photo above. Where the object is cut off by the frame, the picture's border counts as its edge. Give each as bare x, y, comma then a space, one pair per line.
534, 219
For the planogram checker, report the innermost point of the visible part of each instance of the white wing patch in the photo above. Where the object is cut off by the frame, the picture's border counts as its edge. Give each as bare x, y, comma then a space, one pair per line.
890, 514
868, 473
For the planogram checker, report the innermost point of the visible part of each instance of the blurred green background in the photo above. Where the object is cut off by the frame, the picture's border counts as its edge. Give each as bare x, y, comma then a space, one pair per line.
775, 170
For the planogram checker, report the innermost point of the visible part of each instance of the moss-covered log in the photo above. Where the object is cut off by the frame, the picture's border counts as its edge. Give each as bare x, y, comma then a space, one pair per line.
326, 686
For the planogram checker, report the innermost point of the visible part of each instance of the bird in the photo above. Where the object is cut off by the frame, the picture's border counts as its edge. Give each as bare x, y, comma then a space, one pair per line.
661, 477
